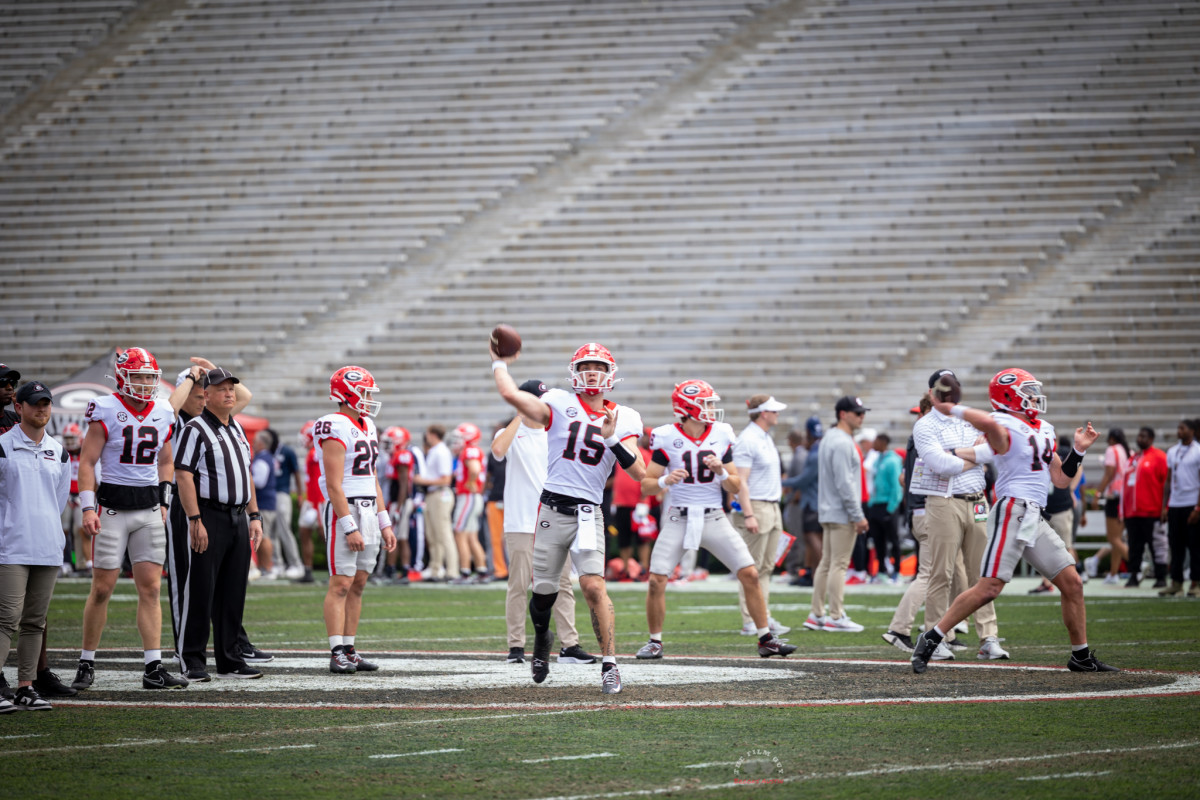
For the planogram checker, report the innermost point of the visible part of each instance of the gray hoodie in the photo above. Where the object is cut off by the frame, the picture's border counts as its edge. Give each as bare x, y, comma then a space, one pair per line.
839, 481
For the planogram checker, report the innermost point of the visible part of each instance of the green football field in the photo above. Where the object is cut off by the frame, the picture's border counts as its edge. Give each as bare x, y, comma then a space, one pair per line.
446, 717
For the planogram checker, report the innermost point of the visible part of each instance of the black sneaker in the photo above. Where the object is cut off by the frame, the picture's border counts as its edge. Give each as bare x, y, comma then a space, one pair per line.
50, 685
516, 655
957, 645
542, 642
198, 675
6, 691
243, 671
922, 651
252, 655
84, 676
1089, 664
899, 640
575, 655
307, 577
775, 647
159, 678
28, 699
340, 664
360, 663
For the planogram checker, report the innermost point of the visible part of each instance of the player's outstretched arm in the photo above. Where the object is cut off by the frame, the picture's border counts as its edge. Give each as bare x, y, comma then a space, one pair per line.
1062, 472
531, 406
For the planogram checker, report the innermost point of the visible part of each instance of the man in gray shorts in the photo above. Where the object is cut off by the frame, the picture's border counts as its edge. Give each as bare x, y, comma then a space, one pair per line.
585, 435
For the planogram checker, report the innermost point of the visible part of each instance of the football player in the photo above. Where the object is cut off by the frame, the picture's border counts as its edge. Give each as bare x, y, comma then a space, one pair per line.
354, 515
129, 434
469, 478
693, 460
586, 434
310, 516
400, 464
1023, 447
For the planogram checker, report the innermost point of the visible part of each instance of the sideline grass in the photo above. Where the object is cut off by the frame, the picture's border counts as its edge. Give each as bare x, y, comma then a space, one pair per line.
996, 749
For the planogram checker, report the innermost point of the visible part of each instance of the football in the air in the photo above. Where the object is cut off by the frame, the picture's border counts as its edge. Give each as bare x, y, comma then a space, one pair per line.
506, 341
947, 389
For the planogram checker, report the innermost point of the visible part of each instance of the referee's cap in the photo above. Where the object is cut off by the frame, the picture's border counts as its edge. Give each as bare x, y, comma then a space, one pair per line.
218, 375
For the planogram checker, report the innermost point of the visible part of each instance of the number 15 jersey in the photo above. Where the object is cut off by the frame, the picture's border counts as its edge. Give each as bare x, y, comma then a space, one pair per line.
130, 454
673, 449
579, 461
362, 452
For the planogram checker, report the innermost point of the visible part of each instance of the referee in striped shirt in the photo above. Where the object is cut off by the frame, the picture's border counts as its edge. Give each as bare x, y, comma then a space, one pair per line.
212, 468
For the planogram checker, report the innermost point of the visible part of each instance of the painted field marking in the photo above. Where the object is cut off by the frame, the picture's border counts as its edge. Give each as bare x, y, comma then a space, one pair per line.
710, 764
25, 736
270, 749
948, 766
567, 758
1064, 775
417, 753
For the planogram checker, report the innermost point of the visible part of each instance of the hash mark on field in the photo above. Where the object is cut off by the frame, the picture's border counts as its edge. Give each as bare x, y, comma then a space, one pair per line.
1064, 775
269, 749
711, 764
567, 758
417, 753
25, 736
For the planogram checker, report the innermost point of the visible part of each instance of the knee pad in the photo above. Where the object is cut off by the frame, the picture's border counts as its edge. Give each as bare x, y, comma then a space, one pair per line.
539, 608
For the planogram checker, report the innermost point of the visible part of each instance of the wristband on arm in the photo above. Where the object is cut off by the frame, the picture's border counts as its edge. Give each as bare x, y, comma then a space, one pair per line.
1070, 464
346, 525
87, 499
385, 519
625, 458
165, 488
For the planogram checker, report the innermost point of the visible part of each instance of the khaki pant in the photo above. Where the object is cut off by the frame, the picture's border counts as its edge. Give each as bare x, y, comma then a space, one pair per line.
1063, 522
520, 578
831, 572
25, 593
439, 533
914, 595
762, 547
952, 531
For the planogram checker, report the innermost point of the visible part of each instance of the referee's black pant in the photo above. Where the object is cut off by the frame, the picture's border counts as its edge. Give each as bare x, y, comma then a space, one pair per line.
208, 587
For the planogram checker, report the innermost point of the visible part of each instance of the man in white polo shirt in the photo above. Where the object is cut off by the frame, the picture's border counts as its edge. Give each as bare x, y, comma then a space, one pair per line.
1181, 508
759, 519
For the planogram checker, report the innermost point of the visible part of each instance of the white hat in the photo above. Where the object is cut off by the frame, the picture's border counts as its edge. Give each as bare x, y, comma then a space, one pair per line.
866, 434
770, 404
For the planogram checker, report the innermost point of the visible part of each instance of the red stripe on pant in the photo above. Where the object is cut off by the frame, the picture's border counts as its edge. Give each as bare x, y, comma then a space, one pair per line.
1003, 538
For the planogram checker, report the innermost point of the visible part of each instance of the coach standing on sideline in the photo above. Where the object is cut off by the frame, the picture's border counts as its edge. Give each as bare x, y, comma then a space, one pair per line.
213, 472
35, 479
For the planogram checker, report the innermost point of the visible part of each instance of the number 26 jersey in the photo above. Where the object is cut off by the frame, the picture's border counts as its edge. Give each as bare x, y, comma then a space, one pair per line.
362, 452
130, 454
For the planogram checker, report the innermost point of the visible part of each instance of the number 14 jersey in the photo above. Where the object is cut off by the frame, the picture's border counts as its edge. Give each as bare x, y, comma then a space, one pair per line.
362, 452
1024, 471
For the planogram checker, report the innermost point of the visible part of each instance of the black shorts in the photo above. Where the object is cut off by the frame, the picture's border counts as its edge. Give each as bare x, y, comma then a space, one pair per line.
1112, 508
812, 522
623, 522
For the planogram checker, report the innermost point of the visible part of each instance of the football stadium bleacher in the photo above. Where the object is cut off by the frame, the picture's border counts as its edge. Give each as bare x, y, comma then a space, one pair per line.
802, 198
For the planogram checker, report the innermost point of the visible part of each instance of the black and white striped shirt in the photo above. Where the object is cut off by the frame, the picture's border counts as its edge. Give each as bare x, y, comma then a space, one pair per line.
219, 457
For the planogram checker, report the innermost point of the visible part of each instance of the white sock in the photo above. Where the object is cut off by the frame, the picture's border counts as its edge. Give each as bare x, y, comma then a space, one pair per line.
153, 655
348, 641
763, 631
87, 655
939, 631
608, 660
335, 641
657, 637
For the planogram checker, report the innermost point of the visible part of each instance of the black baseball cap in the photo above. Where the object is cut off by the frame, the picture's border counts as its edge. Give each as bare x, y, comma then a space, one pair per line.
848, 403
218, 375
937, 376
8, 374
32, 392
534, 387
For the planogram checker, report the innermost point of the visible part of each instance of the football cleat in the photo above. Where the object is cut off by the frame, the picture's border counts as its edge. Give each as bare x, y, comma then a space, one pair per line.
775, 647
540, 664
610, 681
923, 650
650, 649
360, 663
159, 678
899, 640
84, 676
990, 650
340, 664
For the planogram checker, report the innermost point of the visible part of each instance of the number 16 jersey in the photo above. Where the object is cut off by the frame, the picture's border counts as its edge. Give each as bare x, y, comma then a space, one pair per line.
673, 449
362, 452
134, 438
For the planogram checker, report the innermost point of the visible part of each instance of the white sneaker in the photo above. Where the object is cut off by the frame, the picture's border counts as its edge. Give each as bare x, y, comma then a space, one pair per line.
292, 573
1112, 580
942, 653
962, 627
777, 628
255, 572
749, 629
990, 649
1091, 566
842, 624
815, 623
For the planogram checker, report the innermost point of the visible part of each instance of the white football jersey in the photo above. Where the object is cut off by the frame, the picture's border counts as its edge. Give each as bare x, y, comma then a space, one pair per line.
1024, 471
130, 454
362, 452
579, 461
674, 449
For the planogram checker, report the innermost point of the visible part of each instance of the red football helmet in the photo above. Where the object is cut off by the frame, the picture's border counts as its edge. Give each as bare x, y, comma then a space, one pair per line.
593, 352
137, 374
306, 432
398, 437
72, 436
1017, 391
463, 435
353, 386
697, 399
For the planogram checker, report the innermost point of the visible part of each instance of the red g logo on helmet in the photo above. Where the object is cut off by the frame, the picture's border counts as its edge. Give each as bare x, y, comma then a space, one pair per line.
137, 374
354, 387
698, 400
1017, 391
593, 381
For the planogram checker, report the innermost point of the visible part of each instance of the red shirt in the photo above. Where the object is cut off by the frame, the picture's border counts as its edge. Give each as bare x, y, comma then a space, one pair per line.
1145, 478
312, 470
627, 492
469, 453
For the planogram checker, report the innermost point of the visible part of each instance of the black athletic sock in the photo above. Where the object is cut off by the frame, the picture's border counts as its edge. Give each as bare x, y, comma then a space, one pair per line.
1080, 653
606, 666
348, 649
932, 635
341, 648
766, 637
153, 665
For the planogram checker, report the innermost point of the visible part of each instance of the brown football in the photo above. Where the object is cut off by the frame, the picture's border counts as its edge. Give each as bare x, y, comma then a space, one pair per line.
948, 389
506, 341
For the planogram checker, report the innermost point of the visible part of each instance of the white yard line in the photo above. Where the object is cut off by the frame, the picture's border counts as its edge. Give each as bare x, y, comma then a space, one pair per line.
417, 753
25, 736
1064, 775
567, 758
710, 764
271, 749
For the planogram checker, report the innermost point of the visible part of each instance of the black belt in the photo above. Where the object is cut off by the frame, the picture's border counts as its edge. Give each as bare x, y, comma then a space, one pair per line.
213, 504
971, 497
682, 510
